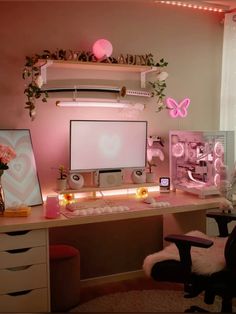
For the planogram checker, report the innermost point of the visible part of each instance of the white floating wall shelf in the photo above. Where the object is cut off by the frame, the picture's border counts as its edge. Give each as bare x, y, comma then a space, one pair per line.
143, 70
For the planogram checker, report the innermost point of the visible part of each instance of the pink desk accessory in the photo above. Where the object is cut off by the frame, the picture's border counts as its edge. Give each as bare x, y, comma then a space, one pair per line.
52, 206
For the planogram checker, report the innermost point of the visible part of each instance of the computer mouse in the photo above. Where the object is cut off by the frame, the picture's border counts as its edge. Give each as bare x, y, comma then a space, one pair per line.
149, 200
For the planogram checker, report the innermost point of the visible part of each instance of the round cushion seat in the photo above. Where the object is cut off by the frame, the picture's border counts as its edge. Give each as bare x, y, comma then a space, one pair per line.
62, 251
64, 277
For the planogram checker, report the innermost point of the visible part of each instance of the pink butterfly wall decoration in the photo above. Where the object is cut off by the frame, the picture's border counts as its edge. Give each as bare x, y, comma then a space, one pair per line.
178, 109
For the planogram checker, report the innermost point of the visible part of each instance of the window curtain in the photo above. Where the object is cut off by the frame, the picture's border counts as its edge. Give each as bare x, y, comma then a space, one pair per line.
228, 84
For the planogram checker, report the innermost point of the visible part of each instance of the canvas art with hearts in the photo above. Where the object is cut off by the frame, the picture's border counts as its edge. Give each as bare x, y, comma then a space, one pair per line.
20, 182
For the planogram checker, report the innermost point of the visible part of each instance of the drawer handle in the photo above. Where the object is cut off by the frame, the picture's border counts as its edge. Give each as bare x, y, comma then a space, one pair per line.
14, 294
19, 268
16, 233
15, 251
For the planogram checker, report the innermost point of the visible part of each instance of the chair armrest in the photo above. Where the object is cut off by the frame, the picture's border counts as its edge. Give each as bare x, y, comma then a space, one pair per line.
222, 215
222, 219
192, 241
184, 244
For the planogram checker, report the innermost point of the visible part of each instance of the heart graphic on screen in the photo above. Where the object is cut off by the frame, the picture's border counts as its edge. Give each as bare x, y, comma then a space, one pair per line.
110, 145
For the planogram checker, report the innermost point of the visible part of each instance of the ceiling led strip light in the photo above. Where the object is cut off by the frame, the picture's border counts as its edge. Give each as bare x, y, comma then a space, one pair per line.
205, 6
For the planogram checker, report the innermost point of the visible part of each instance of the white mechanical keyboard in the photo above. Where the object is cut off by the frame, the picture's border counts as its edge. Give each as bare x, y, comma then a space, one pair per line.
101, 207
159, 204
73, 208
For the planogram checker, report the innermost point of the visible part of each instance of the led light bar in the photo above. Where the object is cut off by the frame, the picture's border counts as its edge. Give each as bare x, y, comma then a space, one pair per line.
205, 6
100, 103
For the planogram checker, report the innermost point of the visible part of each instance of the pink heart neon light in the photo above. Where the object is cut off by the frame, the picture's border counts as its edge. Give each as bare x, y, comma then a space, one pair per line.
178, 109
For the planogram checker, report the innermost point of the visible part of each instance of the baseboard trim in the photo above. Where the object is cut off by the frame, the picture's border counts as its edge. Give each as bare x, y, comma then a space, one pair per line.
111, 278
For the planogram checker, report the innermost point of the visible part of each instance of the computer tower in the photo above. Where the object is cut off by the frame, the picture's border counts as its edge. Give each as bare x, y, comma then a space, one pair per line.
196, 159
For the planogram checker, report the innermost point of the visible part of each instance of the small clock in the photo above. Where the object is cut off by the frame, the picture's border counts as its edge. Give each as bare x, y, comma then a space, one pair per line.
164, 183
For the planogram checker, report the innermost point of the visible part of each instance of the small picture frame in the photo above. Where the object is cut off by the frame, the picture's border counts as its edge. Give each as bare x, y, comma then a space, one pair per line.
164, 183
20, 182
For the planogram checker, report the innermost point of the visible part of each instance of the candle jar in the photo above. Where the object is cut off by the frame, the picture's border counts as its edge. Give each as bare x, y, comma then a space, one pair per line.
52, 206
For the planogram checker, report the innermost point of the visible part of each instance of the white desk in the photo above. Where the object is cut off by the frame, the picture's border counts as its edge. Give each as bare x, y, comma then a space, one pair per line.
180, 202
186, 212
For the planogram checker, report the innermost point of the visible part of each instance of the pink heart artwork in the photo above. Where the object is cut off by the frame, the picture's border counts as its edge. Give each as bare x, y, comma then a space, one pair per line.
178, 109
18, 169
20, 181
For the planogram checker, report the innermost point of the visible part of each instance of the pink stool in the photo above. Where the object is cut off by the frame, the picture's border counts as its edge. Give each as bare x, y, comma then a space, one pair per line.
64, 277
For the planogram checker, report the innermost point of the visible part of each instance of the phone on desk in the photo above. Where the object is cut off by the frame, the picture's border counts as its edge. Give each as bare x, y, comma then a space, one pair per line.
164, 183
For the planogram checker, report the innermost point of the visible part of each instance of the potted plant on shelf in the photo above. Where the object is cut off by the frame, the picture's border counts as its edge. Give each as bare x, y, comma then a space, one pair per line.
62, 179
150, 175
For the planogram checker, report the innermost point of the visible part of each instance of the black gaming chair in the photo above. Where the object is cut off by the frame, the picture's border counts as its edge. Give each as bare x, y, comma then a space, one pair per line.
220, 283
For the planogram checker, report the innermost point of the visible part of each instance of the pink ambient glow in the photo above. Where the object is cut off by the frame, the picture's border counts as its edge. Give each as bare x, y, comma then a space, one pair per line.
178, 109
211, 8
218, 164
217, 179
102, 48
142, 192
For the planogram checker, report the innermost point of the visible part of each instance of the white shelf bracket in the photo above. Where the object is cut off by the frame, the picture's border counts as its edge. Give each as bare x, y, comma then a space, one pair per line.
43, 70
143, 76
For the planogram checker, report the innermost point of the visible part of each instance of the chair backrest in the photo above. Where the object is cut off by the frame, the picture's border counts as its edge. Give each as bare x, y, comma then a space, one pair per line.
230, 250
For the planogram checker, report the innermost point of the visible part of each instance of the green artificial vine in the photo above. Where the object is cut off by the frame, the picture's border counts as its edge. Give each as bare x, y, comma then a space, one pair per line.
31, 73
33, 91
159, 85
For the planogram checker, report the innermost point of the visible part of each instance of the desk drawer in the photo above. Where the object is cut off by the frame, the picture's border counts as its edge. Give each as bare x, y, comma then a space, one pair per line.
20, 257
22, 239
25, 301
23, 278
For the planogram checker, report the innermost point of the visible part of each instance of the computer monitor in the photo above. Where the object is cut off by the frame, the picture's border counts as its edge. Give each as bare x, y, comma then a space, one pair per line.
107, 144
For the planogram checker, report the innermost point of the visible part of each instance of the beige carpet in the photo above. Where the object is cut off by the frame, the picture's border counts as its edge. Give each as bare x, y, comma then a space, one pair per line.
144, 301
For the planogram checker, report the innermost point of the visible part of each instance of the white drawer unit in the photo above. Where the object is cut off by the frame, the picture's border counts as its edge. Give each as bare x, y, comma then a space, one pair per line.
24, 271
25, 301
23, 278
22, 239
24, 256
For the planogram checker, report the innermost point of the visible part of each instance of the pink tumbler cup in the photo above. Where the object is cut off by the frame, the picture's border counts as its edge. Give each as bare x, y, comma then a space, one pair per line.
52, 206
